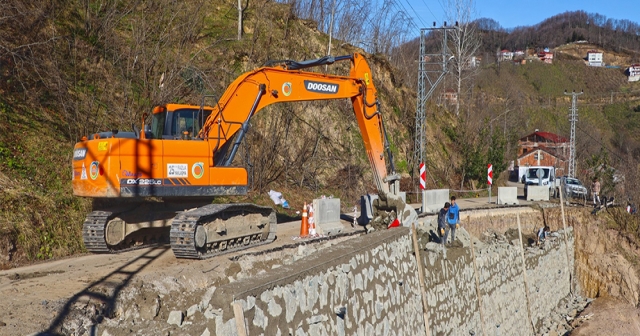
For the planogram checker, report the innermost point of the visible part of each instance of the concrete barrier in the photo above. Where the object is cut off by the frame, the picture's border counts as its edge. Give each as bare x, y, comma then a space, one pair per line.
537, 193
366, 208
433, 200
326, 214
508, 195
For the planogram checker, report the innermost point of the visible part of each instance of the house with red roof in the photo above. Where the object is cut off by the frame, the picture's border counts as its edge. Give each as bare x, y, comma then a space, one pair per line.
544, 149
505, 55
450, 96
546, 57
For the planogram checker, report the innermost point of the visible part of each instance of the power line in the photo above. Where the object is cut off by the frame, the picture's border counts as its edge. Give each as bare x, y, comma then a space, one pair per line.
442, 6
404, 10
434, 16
414, 12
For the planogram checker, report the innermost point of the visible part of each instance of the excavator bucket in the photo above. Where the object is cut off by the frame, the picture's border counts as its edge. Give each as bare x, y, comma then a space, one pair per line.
389, 207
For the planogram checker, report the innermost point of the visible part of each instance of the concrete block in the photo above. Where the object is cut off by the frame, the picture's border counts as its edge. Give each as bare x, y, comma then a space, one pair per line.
366, 208
326, 213
508, 195
433, 200
537, 193
175, 317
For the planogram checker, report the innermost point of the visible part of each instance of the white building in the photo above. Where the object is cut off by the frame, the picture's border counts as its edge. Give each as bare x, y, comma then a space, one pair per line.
634, 72
505, 55
594, 58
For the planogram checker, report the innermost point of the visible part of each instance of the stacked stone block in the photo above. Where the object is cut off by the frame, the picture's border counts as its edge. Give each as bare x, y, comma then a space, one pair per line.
370, 286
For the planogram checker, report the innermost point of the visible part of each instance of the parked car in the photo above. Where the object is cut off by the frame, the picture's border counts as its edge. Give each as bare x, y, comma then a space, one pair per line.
572, 187
535, 175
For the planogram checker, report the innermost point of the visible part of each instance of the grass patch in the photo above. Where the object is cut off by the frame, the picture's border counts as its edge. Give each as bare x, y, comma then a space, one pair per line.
39, 216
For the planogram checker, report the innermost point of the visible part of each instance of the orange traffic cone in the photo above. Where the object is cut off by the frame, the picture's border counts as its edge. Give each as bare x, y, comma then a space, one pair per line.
395, 223
312, 222
304, 225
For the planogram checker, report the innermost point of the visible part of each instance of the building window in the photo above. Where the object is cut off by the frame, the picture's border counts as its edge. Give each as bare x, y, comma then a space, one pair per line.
538, 156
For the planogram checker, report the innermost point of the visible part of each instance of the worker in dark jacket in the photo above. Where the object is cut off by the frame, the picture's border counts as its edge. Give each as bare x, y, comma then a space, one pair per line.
442, 220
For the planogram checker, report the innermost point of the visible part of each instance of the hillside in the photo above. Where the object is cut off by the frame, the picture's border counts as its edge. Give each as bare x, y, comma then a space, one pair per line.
618, 36
502, 101
508, 101
69, 70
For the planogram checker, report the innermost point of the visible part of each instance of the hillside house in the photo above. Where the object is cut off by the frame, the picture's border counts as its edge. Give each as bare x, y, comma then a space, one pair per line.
450, 96
505, 55
634, 72
518, 54
544, 149
594, 58
472, 62
546, 57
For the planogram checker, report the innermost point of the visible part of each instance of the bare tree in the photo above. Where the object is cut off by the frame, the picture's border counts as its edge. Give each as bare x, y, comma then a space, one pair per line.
464, 44
241, 10
376, 26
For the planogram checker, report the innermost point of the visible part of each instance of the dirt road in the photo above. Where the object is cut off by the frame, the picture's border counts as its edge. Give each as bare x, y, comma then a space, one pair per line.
608, 316
40, 297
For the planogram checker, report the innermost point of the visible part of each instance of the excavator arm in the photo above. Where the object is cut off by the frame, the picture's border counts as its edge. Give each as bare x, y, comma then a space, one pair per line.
248, 94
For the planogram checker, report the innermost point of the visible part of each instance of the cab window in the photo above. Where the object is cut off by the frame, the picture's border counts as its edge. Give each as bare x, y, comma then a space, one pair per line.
183, 121
188, 120
157, 125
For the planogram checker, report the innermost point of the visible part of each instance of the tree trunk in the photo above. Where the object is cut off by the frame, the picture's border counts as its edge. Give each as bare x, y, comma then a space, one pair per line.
239, 20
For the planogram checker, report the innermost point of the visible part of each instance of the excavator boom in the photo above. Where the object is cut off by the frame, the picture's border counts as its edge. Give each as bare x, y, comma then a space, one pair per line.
279, 84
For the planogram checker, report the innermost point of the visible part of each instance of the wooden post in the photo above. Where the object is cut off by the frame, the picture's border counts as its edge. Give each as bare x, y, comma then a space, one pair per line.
477, 278
524, 274
239, 315
566, 240
425, 306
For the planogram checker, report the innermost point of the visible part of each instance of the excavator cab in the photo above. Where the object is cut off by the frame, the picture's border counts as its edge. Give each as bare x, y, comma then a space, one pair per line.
178, 122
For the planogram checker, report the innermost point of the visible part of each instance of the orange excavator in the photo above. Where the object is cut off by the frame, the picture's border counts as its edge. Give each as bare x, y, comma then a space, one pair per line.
157, 184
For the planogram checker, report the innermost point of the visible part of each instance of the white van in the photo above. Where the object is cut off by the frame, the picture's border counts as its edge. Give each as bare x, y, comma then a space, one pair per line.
540, 175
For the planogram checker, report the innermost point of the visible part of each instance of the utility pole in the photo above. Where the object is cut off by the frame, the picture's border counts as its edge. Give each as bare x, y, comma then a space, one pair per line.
431, 71
573, 118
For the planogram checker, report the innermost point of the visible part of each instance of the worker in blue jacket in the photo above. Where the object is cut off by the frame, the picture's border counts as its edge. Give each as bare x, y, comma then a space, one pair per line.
453, 221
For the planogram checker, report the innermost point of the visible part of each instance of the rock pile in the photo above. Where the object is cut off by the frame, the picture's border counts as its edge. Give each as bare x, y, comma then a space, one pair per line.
559, 321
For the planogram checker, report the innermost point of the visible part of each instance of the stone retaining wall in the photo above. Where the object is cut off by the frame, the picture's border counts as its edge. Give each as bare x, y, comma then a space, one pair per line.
452, 294
370, 286
366, 287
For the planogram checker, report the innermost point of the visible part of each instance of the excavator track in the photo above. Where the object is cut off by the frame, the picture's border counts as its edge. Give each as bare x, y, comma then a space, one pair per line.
185, 225
93, 235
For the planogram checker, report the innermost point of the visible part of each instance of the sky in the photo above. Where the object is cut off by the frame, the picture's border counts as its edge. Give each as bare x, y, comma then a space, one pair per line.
511, 14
